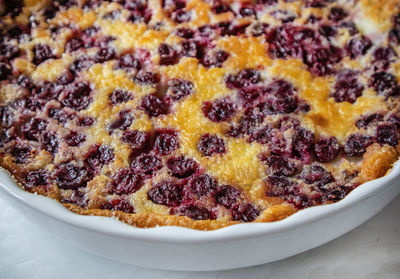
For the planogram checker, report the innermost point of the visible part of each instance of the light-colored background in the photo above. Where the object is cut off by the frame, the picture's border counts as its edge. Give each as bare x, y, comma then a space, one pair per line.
370, 251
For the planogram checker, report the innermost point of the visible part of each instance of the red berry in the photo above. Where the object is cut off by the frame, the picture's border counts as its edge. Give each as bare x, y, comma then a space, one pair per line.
209, 145
166, 193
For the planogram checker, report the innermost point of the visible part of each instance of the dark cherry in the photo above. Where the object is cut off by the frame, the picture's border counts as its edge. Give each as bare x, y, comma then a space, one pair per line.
327, 31
394, 118
338, 194
147, 164
74, 44
17, 32
78, 197
228, 196
209, 145
192, 211
41, 53
21, 153
33, 104
316, 175
179, 88
384, 56
74, 139
173, 4
358, 46
49, 142
13, 7
98, 156
321, 61
251, 95
191, 48
85, 121
367, 120
104, 54
182, 167
119, 96
394, 35
385, 84
154, 105
129, 62
25, 82
228, 28
291, 41
9, 51
181, 16
350, 26
5, 71
81, 63
119, 204
61, 115
326, 149
123, 121
215, 59
281, 98
245, 212
356, 145
287, 41
347, 87
279, 186
387, 133
37, 178
207, 31
5, 137
48, 91
185, 33
220, 7
134, 5
104, 43
166, 193
303, 142
244, 78
147, 78
32, 129
166, 142
337, 14
69, 176
219, 110
168, 55
125, 182
90, 31
247, 124
67, 77
202, 185
77, 96
279, 165
6, 117
137, 140
263, 135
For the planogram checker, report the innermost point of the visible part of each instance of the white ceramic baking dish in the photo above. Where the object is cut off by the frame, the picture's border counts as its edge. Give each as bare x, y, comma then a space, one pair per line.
178, 248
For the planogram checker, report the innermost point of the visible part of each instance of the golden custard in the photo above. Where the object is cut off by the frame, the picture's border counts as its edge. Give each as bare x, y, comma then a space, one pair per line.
196, 113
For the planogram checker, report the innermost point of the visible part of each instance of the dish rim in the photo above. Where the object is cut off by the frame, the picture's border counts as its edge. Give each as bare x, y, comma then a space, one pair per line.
115, 228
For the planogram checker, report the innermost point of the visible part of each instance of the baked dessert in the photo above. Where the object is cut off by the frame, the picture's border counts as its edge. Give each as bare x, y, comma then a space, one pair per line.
196, 113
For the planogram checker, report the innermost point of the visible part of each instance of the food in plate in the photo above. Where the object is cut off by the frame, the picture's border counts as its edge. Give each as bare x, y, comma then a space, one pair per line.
200, 114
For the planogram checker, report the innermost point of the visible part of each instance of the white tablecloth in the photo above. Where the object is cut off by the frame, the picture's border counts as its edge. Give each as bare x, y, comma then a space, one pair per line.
370, 251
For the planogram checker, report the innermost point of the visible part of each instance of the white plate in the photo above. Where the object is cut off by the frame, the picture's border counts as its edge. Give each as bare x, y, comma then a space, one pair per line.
178, 248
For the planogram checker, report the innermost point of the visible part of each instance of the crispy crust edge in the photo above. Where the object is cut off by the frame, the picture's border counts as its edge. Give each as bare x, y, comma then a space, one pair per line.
141, 220
377, 162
